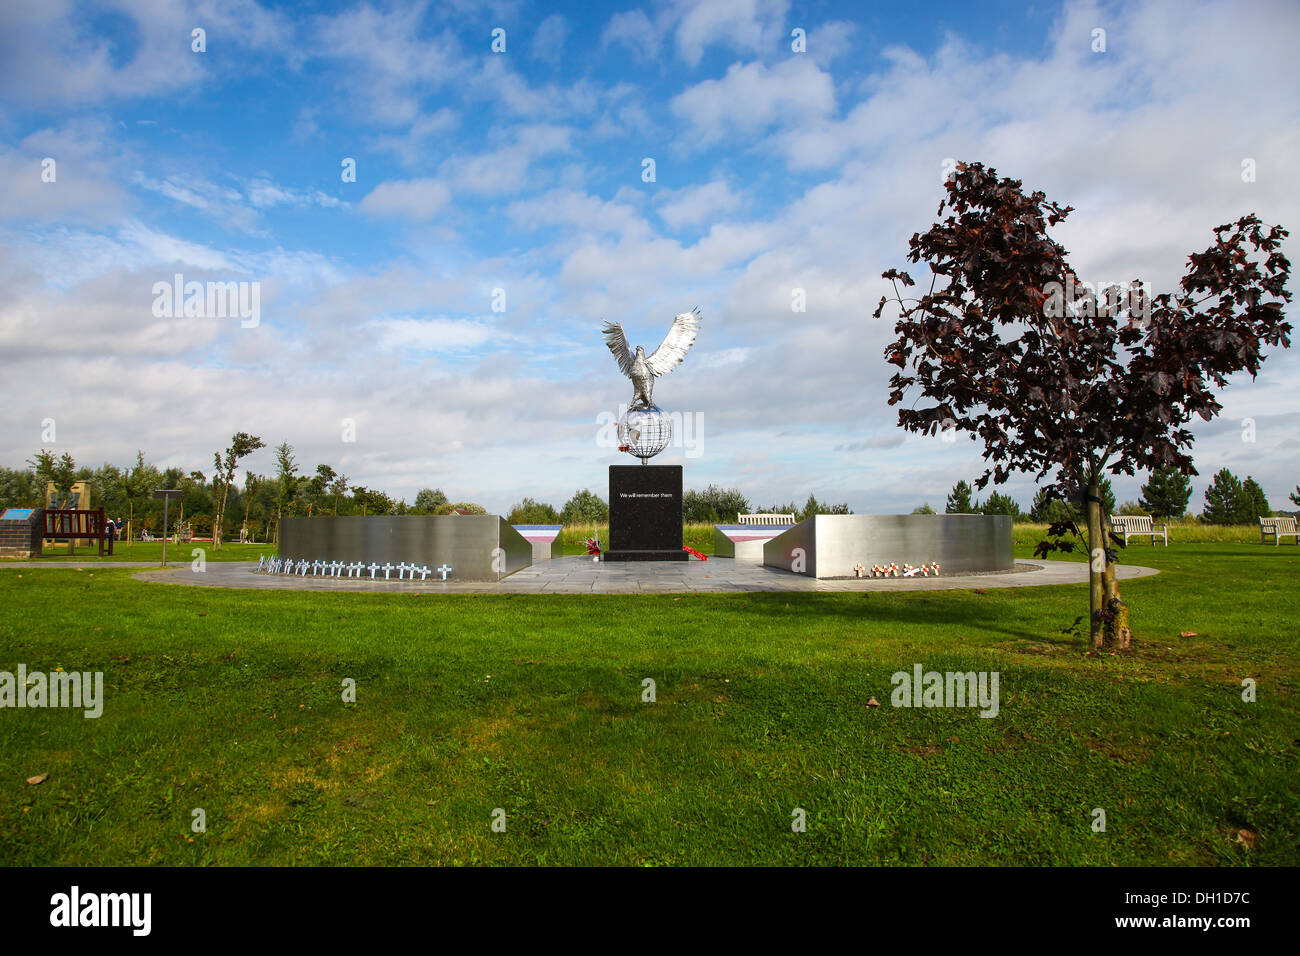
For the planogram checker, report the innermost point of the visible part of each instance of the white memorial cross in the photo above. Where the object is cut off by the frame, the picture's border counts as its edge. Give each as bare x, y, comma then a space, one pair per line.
445, 571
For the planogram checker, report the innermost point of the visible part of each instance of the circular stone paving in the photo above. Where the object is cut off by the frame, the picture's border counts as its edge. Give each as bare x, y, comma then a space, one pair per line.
581, 575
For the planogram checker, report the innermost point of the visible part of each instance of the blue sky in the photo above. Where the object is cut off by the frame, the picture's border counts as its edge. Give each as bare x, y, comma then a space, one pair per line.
522, 172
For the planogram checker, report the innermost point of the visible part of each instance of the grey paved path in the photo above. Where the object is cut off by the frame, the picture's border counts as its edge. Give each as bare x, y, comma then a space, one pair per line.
580, 575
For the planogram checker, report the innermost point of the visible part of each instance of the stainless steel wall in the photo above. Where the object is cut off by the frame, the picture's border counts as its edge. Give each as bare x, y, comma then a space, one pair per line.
832, 544
746, 552
542, 550
468, 544
723, 547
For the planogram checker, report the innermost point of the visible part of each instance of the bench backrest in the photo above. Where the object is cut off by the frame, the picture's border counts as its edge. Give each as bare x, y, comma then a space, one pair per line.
1132, 523
765, 519
1280, 525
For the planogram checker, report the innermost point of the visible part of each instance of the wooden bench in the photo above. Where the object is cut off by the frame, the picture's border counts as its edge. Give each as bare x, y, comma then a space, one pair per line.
1141, 525
1279, 528
765, 519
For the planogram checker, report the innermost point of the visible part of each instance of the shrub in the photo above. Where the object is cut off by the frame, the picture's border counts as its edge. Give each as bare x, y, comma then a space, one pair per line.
529, 511
585, 507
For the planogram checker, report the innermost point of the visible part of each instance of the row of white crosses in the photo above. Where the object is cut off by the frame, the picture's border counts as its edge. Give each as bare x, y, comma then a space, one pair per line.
335, 569
892, 570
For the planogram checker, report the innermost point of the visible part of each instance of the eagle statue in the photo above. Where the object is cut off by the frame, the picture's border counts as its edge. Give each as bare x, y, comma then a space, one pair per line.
643, 369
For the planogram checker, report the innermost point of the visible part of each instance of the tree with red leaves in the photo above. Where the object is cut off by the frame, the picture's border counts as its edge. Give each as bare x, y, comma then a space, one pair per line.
1064, 381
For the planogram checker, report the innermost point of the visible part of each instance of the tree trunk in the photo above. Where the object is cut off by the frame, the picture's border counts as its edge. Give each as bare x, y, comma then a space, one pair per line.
1096, 569
216, 521
1118, 635
218, 505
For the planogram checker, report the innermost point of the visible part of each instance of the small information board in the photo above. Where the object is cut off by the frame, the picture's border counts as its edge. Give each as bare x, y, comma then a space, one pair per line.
16, 514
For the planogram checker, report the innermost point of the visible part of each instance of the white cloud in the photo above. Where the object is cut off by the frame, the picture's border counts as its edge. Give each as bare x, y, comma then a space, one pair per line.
695, 205
390, 65
406, 335
413, 199
86, 170
510, 168
633, 31
415, 145
577, 210
720, 357
830, 40
53, 55
746, 25
548, 39
238, 206
752, 97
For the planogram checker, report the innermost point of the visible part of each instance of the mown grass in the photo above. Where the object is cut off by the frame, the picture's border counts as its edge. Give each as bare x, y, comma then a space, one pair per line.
573, 539
1180, 532
230, 701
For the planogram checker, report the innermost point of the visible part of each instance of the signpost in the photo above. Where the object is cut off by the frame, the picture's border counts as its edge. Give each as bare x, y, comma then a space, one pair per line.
166, 494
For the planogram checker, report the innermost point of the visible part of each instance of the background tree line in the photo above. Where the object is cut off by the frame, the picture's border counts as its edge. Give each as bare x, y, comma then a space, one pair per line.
1165, 496
258, 502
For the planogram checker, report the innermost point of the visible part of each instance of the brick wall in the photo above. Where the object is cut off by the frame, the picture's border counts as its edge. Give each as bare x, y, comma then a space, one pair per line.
22, 539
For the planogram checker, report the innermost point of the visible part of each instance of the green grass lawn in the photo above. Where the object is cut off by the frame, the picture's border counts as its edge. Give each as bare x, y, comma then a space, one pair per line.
230, 701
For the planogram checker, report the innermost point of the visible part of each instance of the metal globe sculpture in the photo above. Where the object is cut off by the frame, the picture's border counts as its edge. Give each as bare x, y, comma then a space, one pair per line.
644, 432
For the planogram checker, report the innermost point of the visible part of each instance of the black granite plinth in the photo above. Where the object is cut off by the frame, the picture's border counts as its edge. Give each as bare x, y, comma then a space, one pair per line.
645, 513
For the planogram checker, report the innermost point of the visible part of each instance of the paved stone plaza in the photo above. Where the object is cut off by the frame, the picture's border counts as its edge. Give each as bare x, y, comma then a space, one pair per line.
581, 575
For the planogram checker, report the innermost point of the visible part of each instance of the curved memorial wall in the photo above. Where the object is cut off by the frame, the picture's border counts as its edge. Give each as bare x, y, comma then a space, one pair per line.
474, 547
828, 546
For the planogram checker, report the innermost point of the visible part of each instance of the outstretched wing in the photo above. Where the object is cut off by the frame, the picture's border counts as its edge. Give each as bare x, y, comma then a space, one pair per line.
617, 342
676, 344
